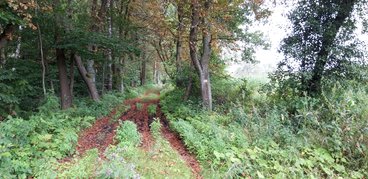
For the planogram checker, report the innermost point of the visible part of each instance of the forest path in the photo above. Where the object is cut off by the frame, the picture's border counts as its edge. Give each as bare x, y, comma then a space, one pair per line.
101, 134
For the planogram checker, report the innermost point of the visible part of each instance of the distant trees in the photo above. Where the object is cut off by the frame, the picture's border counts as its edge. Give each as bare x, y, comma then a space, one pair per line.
322, 43
117, 43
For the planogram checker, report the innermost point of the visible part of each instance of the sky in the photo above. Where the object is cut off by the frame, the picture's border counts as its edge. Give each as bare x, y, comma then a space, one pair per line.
275, 29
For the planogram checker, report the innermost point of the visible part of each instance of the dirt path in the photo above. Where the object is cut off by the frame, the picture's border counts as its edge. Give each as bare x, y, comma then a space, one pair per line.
101, 134
138, 113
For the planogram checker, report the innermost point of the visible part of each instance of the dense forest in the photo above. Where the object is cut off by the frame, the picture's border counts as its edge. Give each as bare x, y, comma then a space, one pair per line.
139, 89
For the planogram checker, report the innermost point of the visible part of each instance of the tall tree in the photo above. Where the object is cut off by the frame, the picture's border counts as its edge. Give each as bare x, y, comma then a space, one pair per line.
65, 92
201, 62
110, 6
322, 41
180, 28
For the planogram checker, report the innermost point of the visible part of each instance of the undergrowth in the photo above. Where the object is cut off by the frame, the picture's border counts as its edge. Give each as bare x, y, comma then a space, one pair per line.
324, 138
50, 134
160, 161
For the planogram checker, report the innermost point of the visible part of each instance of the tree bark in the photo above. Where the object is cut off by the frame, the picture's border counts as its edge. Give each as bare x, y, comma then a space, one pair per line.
189, 87
143, 72
71, 74
179, 40
205, 60
65, 93
155, 72
120, 79
42, 60
109, 51
86, 78
202, 65
19, 43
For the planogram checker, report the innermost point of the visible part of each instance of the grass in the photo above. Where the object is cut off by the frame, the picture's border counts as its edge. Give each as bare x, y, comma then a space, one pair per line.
161, 161
125, 160
150, 97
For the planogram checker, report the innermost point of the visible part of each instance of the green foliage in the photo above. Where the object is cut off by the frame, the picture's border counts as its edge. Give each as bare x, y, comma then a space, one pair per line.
80, 168
48, 135
100, 108
19, 88
116, 166
119, 111
149, 97
322, 46
152, 110
159, 161
127, 134
324, 137
156, 128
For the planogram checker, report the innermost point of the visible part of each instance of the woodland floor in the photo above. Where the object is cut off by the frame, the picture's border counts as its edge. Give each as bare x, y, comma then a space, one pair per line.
101, 134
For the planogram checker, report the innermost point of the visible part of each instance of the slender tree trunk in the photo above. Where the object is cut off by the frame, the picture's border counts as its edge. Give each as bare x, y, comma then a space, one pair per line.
47, 73
19, 43
109, 51
155, 71
103, 86
143, 72
180, 26
179, 40
42, 60
71, 71
120, 74
86, 78
189, 86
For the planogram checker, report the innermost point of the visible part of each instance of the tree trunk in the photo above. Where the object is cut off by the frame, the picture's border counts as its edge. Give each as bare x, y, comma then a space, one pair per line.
143, 72
178, 40
19, 43
121, 75
189, 86
109, 51
314, 86
65, 93
42, 60
155, 72
205, 60
86, 78
202, 65
71, 72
